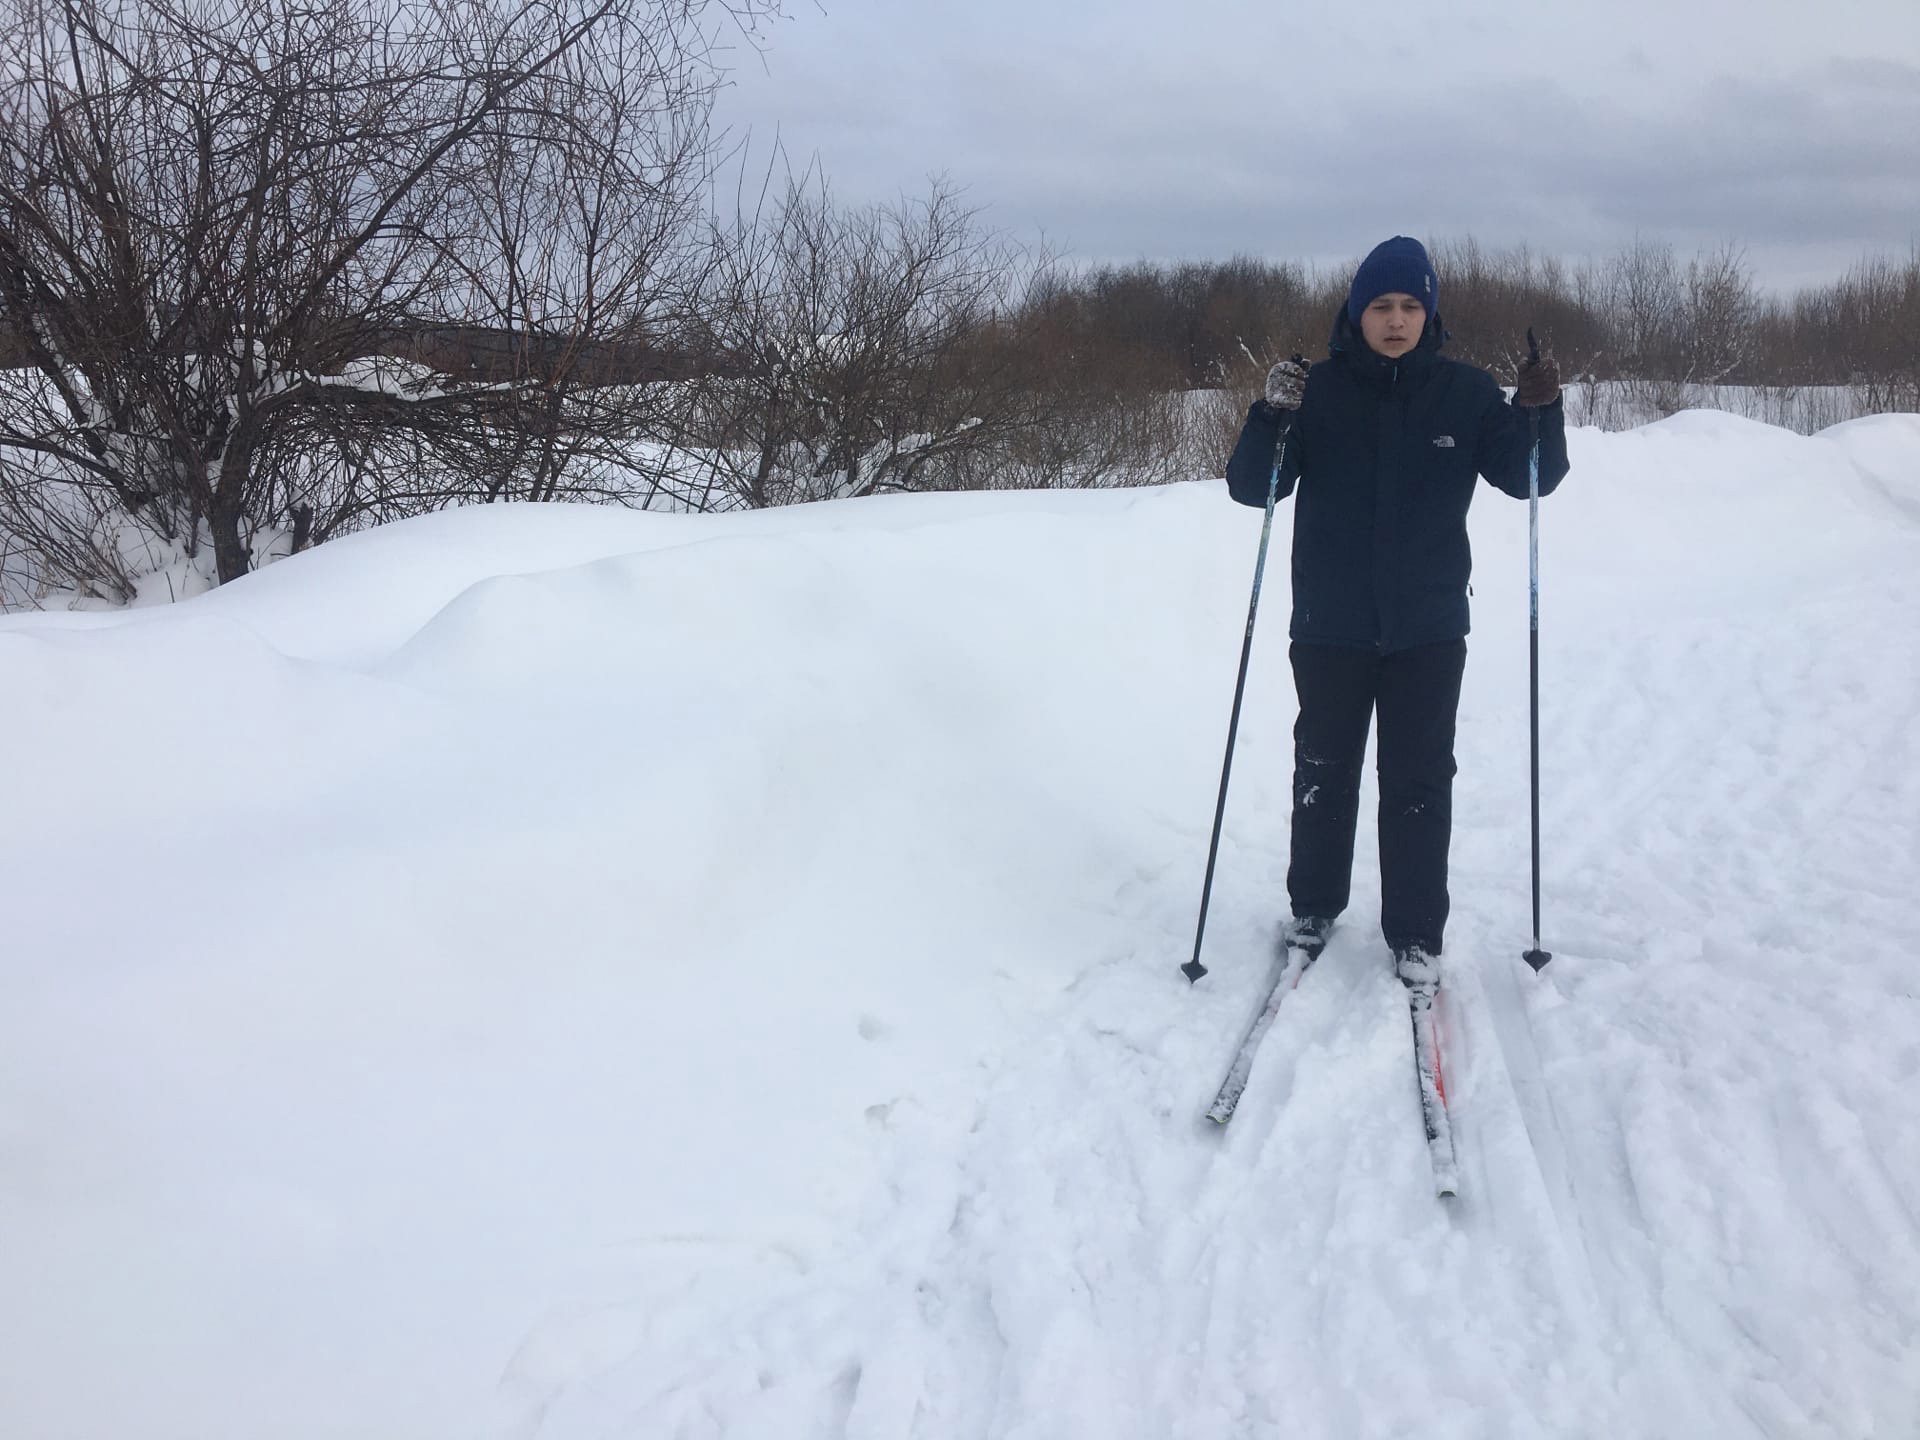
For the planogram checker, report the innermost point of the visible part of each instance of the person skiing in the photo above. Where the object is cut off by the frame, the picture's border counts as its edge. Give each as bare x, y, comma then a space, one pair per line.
1384, 440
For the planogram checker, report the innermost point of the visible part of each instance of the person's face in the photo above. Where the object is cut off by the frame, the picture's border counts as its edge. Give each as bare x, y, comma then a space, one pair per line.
1391, 325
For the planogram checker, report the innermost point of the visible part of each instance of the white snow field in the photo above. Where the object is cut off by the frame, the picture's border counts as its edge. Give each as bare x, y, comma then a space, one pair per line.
561, 973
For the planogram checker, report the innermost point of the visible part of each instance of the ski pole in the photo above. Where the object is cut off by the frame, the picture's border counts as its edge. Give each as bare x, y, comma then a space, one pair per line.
1536, 957
1193, 969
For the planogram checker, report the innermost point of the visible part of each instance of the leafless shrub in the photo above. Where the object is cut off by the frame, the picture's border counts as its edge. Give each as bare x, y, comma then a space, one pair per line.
897, 347
225, 225
1717, 315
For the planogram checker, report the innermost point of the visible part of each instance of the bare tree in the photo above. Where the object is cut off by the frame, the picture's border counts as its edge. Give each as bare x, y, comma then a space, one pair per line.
1717, 314
880, 345
227, 225
1644, 302
1867, 325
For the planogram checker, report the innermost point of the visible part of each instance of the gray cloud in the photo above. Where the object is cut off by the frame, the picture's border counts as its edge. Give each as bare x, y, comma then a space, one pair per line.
1181, 142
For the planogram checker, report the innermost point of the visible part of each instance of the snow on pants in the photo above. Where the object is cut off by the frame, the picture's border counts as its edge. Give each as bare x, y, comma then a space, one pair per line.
1416, 694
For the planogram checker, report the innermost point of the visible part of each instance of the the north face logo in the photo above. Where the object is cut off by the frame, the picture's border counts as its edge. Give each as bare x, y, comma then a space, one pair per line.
1444, 442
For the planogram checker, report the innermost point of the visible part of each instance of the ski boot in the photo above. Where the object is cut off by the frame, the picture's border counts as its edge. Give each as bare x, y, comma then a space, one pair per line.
1418, 970
1307, 933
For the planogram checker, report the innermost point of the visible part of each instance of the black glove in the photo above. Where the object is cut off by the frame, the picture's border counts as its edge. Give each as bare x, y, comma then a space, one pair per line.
1286, 384
1538, 382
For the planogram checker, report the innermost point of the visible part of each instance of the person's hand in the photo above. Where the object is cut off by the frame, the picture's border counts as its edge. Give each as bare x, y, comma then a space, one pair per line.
1286, 384
1537, 383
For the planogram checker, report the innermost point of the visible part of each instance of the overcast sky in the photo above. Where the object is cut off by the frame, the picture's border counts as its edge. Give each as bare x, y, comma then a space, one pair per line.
1207, 128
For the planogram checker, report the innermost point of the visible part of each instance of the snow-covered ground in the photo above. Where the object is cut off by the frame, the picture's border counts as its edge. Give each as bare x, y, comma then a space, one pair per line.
1622, 404
549, 972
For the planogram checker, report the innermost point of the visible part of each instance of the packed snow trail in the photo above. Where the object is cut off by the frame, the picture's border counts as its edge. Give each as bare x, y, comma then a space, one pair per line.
563, 974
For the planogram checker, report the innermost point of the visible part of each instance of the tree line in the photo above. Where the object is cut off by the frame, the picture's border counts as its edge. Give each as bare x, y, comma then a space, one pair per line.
270, 273
1642, 313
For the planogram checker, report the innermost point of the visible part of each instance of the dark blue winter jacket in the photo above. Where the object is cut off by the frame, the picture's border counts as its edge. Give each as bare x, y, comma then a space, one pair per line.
1385, 455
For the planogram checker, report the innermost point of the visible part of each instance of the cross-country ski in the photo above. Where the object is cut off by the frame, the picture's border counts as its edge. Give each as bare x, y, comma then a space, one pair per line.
1294, 962
1423, 994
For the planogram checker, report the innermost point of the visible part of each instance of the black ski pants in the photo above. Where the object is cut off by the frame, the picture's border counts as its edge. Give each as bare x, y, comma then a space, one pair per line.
1416, 694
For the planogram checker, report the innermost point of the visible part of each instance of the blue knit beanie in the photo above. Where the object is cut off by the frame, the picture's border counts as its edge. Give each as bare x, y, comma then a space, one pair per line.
1399, 264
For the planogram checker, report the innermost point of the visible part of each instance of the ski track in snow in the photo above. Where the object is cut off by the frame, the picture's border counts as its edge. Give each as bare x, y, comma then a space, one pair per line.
1636, 1208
